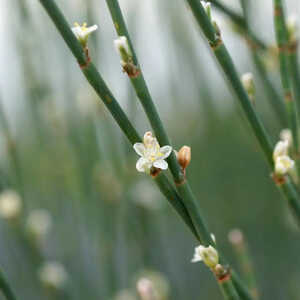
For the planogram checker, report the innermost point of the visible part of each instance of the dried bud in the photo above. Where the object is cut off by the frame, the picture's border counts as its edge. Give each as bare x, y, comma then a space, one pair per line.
184, 156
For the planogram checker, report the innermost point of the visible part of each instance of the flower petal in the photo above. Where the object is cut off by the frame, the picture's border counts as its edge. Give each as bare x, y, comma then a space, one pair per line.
139, 148
143, 165
166, 151
161, 164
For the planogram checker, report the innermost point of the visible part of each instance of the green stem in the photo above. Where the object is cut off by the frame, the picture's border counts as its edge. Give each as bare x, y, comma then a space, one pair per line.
275, 100
97, 82
142, 91
12, 150
282, 43
295, 75
104, 93
5, 288
228, 290
231, 74
241, 23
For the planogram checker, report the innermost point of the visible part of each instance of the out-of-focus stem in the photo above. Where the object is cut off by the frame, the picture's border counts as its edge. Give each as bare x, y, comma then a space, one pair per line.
5, 288
97, 82
241, 23
282, 43
240, 247
12, 150
275, 100
231, 74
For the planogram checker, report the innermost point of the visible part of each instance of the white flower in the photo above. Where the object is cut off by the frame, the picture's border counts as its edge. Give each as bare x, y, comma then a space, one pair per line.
82, 32
206, 5
208, 255
123, 49
146, 289
10, 204
53, 274
39, 223
248, 83
152, 155
292, 26
281, 149
283, 164
286, 135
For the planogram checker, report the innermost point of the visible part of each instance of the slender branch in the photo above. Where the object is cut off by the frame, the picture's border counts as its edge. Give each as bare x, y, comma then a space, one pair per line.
12, 150
97, 82
5, 288
230, 72
143, 94
282, 43
228, 290
102, 90
239, 21
274, 98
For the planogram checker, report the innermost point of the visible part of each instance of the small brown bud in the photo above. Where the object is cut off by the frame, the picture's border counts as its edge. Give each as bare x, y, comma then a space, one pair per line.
184, 156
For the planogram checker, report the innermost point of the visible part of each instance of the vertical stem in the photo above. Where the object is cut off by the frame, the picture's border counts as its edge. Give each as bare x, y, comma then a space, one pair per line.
5, 288
228, 290
232, 77
282, 43
273, 97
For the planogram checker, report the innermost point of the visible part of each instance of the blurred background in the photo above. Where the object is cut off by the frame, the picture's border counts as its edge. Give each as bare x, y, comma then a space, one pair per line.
77, 220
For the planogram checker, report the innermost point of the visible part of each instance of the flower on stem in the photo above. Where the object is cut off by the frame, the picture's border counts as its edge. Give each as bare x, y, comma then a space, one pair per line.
209, 255
146, 289
281, 149
286, 135
292, 26
207, 8
248, 83
283, 165
53, 274
82, 32
123, 49
152, 155
10, 205
39, 223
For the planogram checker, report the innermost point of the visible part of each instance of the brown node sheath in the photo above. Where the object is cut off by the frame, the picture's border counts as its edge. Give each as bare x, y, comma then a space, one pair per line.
154, 172
279, 180
88, 59
215, 45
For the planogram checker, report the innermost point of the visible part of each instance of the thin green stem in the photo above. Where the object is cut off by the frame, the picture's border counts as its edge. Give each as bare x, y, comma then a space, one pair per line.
239, 21
97, 82
104, 93
12, 150
5, 288
228, 290
282, 43
142, 91
232, 77
274, 98
294, 69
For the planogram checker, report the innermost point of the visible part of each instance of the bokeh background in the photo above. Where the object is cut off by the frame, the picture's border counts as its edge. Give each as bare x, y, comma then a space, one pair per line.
100, 223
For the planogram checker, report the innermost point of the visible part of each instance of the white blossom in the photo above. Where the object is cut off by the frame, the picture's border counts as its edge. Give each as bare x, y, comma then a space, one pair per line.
281, 149
283, 165
206, 5
152, 155
53, 274
123, 49
39, 223
208, 255
82, 32
10, 204
286, 135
